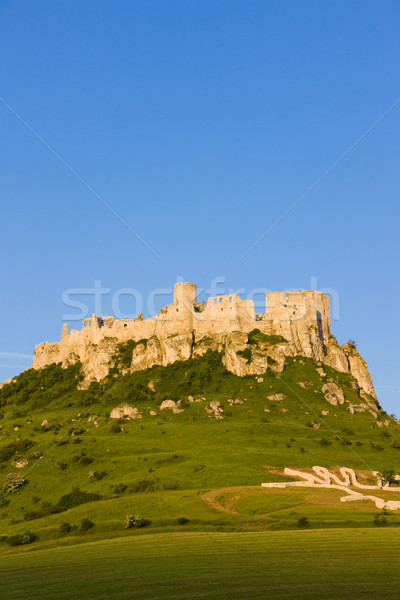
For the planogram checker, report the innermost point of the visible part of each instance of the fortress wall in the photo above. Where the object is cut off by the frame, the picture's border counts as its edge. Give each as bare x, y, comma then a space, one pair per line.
225, 314
309, 307
301, 317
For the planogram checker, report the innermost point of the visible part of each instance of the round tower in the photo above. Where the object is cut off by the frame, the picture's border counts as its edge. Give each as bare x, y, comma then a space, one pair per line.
185, 296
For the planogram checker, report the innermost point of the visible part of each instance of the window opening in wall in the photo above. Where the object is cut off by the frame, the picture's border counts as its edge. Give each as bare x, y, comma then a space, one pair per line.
230, 299
220, 299
215, 301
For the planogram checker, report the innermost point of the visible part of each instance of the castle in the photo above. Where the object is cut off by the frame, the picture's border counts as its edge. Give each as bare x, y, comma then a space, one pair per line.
186, 328
287, 314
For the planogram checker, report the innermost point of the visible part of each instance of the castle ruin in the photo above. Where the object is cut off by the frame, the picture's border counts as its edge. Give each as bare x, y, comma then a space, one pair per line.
186, 328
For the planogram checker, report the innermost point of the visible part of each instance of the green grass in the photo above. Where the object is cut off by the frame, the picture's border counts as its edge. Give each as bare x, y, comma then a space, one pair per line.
158, 466
336, 564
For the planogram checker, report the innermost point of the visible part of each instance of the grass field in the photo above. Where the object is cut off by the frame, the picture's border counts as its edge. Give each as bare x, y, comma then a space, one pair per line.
332, 564
166, 466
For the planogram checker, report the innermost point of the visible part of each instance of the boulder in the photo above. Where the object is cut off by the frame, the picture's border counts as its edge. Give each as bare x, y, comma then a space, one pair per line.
124, 410
333, 393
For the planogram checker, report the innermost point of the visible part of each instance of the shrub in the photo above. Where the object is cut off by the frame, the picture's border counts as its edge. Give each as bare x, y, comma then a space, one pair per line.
388, 475
97, 475
303, 522
13, 483
119, 488
65, 527
115, 428
145, 485
45, 510
376, 447
136, 521
82, 458
183, 521
86, 524
20, 539
256, 336
380, 520
77, 497
12, 448
246, 354
324, 442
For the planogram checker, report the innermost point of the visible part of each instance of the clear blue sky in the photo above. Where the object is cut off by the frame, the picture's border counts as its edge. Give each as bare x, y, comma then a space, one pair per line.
200, 124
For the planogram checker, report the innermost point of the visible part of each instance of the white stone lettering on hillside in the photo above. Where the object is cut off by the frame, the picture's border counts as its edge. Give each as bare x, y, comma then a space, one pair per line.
322, 478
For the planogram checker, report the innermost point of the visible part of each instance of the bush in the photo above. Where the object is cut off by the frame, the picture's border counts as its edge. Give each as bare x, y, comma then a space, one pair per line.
136, 521
144, 485
183, 521
246, 354
77, 497
380, 520
20, 539
324, 442
65, 527
45, 510
12, 448
86, 524
97, 475
303, 522
376, 447
119, 488
256, 336
115, 428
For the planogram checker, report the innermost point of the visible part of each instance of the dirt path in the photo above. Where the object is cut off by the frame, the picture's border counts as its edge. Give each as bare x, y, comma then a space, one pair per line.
231, 497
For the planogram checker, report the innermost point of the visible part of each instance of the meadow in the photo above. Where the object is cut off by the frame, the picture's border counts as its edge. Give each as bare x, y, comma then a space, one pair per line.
82, 473
300, 565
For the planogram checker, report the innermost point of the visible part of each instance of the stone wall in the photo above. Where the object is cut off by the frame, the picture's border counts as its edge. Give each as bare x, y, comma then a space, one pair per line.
185, 328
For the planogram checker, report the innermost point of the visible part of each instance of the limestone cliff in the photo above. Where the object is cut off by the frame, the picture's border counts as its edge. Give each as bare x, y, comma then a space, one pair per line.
294, 323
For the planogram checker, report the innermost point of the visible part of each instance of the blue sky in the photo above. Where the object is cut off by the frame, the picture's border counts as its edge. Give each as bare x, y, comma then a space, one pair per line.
200, 124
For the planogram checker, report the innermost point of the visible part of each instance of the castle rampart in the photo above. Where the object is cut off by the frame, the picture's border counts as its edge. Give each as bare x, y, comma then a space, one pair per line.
291, 314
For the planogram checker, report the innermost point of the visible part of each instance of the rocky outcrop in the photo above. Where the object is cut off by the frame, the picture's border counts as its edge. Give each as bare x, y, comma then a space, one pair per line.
125, 411
215, 409
171, 405
359, 369
146, 355
333, 393
241, 354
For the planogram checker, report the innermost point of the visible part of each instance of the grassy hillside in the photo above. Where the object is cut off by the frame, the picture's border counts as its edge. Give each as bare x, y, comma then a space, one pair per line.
68, 461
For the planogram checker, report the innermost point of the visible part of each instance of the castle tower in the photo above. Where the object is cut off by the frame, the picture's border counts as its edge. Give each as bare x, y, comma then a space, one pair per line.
185, 296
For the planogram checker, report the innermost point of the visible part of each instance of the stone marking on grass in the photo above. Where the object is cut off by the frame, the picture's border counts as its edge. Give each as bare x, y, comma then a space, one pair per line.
322, 478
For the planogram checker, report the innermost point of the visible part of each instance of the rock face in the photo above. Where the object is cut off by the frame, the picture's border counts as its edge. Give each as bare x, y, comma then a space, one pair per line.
294, 323
119, 412
333, 393
171, 405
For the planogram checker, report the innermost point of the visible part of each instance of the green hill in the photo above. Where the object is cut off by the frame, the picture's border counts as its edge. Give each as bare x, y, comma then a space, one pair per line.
68, 469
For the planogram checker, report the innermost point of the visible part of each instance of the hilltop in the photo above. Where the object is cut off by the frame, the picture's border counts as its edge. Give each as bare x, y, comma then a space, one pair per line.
188, 443
294, 323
